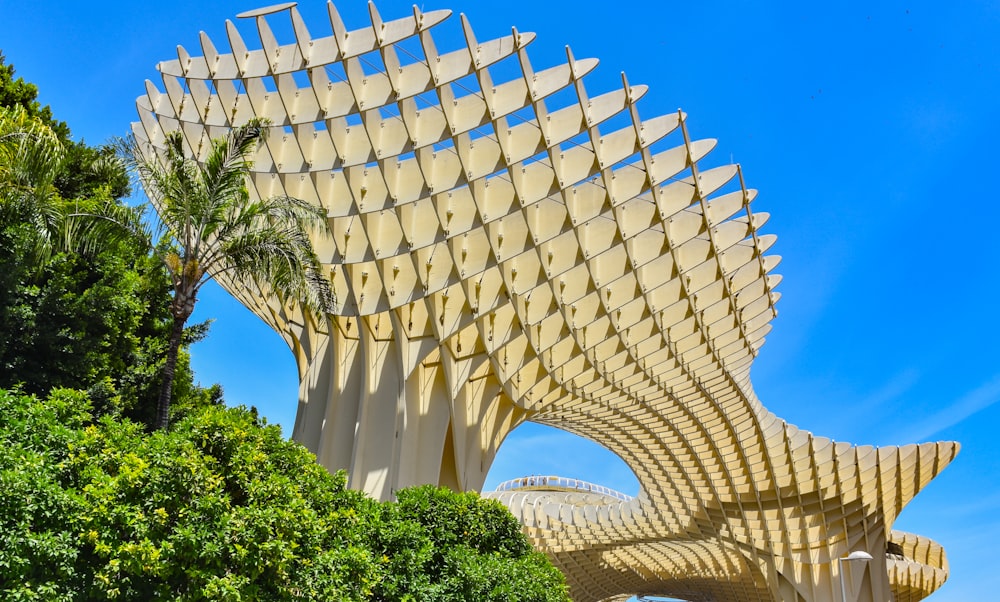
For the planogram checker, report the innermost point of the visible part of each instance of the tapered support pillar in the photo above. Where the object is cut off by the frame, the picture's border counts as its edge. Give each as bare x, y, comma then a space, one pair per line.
396, 412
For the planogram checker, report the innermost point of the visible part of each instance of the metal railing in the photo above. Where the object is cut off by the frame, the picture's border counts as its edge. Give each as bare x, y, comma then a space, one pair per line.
554, 483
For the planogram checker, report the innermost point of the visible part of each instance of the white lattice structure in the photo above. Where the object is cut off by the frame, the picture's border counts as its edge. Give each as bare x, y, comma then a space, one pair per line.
513, 248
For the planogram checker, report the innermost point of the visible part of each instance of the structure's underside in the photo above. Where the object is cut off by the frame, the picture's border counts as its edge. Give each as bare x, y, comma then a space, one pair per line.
506, 247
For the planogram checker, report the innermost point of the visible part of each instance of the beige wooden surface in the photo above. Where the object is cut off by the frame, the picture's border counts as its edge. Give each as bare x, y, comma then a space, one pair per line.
501, 255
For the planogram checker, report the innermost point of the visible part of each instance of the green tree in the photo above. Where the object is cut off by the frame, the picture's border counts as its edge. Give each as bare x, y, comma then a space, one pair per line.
17, 92
222, 507
30, 159
209, 226
84, 168
81, 303
98, 322
32, 210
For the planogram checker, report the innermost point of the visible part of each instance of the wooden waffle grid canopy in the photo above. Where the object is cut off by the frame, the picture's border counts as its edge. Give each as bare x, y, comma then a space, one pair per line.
514, 248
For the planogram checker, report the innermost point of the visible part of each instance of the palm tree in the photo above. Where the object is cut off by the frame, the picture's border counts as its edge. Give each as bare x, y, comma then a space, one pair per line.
210, 226
30, 158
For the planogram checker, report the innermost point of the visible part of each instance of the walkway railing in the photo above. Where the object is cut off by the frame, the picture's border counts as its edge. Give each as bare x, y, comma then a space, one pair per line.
553, 483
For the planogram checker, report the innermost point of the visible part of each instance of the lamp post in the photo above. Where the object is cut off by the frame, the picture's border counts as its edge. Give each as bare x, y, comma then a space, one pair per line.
856, 555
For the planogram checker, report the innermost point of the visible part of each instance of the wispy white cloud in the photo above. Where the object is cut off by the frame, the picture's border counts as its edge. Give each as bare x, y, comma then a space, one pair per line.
981, 507
972, 402
892, 390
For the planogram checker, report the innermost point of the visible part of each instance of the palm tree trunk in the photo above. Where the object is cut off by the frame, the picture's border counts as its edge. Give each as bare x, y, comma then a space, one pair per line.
163, 407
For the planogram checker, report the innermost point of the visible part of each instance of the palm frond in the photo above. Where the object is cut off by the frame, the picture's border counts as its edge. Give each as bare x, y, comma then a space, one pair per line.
30, 158
210, 227
102, 223
216, 228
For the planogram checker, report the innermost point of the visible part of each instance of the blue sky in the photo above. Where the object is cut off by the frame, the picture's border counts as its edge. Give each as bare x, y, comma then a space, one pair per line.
871, 132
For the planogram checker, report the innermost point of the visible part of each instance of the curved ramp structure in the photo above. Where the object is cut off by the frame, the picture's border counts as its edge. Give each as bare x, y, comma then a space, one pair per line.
917, 566
507, 246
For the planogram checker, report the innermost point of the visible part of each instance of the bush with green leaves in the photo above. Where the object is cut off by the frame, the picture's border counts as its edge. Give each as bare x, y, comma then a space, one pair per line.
221, 507
462, 547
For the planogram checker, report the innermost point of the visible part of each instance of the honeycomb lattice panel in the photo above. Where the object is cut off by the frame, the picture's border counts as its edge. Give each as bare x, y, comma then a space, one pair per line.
513, 247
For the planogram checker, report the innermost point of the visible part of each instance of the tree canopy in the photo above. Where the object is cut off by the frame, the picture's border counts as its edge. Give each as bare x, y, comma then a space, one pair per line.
18, 92
221, 507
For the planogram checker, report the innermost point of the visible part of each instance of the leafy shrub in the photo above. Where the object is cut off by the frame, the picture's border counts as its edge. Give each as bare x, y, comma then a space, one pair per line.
222, 508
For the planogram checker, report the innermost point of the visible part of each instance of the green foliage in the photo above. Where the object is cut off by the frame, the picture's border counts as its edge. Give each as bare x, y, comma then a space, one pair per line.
82, 304
79, 170
88, 171
209, 227
85, 167
17, 92
61, 320
99, 321
451, 546
30, 159
221, 507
